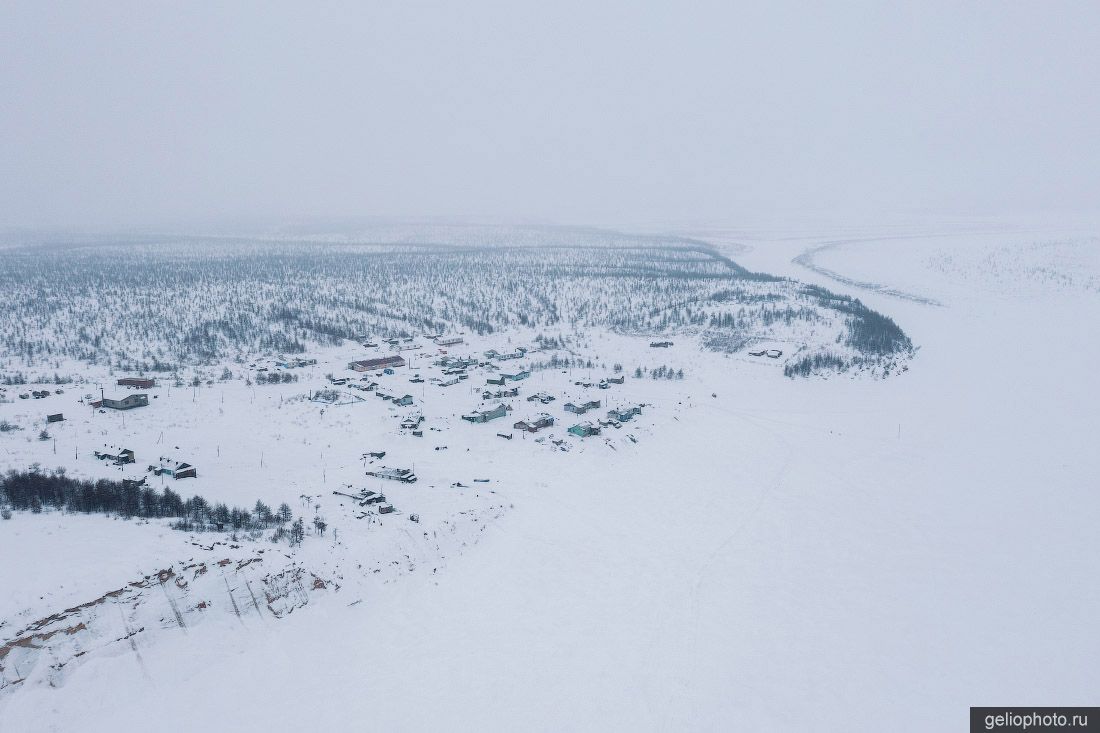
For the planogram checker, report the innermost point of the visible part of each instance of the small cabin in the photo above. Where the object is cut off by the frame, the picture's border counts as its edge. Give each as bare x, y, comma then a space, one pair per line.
404, 475
118, 456
533, 425
486, 415
580, 409
128, 402
175, 469
624, 414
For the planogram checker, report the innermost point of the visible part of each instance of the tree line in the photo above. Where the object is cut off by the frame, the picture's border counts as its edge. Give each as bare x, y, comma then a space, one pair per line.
35, 490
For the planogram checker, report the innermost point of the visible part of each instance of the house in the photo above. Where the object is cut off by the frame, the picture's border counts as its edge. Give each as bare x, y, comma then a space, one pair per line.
454, 341
456, 362
118, 456
498, 394
412, 421
584, 429
539, 421
616, 380
138, 382
519, 353
294, 363
383, 362
623, 414
404, 401
55, 418
660, 344
126, 403
524, 374
385, 509
773, 353
582, 407
486, 415
404, 475
499, 381
175, 469
541, 397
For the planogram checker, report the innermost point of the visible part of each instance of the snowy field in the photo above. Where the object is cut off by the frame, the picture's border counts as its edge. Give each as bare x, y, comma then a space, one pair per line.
752, 552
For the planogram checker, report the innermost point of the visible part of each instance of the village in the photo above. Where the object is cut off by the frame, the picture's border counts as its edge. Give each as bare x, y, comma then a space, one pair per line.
393, 455
336, 445
411, 429
567, 367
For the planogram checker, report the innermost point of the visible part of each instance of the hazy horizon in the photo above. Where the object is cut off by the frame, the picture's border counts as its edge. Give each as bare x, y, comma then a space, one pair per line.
145, 115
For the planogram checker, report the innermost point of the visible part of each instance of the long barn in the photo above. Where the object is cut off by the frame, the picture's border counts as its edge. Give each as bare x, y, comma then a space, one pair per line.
367, 365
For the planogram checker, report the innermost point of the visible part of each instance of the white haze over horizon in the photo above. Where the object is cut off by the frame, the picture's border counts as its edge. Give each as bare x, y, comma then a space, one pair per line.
132, 114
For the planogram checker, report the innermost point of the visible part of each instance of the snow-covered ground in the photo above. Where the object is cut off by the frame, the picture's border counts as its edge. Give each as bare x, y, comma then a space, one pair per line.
770, 554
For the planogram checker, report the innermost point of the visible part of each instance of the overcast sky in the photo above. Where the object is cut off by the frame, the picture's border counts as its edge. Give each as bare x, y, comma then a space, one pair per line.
134, 114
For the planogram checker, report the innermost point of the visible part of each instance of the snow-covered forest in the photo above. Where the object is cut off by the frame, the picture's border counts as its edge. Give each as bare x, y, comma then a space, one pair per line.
158, 305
